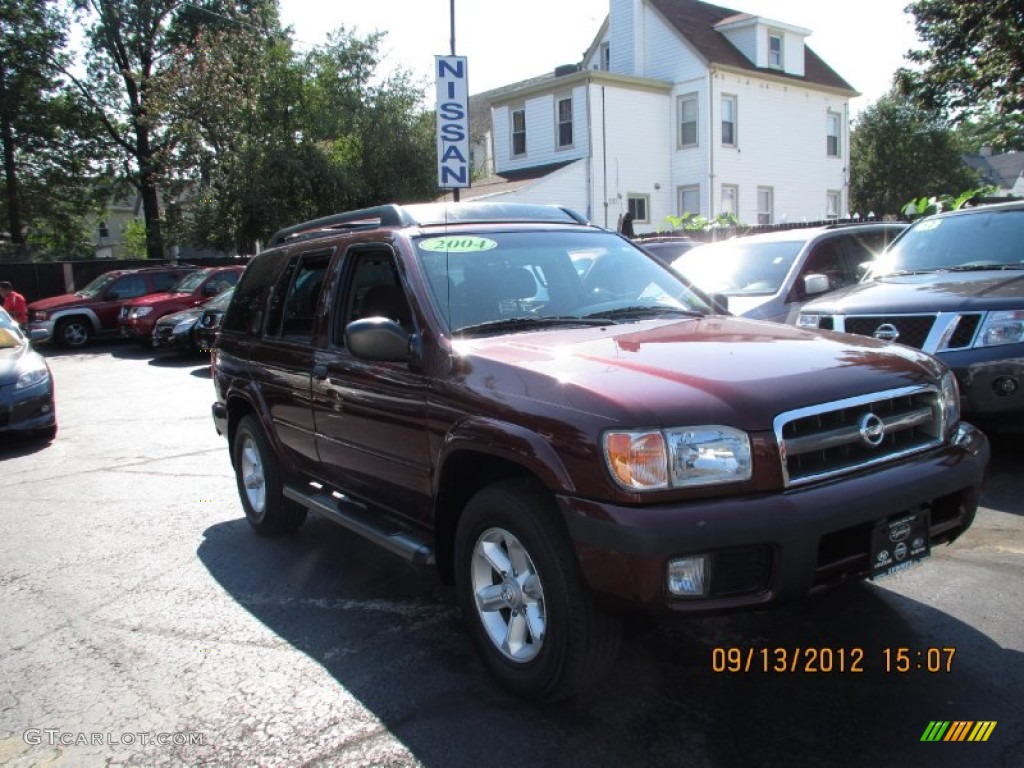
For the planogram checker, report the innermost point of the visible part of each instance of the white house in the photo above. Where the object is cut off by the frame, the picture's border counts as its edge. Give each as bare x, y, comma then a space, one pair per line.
677, 106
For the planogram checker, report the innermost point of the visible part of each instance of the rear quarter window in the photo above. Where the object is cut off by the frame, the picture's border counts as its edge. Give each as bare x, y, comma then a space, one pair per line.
248, 305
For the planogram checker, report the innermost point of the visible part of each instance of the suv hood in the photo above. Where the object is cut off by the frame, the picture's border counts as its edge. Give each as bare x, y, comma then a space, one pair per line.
928, 292
715, 370
59, 302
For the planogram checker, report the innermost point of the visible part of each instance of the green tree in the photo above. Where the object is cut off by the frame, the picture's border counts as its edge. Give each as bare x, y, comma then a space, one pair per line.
132, 46
48, 143
972, 63
898, 152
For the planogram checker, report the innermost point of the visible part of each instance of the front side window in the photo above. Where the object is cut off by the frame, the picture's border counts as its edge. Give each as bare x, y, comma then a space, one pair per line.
375, 291
689, 200
688, 120
564, 116
166, 281
128, 287
765, 205
518, 132
775, 54
728, 121
832, 134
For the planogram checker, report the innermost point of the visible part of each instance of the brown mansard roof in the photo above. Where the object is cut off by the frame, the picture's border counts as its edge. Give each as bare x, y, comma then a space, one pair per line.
695, 21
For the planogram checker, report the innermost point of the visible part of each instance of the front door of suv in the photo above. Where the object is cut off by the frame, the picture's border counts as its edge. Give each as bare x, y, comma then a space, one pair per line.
371, 429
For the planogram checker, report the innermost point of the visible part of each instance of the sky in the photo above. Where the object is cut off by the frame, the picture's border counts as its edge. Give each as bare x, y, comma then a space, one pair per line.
510, 41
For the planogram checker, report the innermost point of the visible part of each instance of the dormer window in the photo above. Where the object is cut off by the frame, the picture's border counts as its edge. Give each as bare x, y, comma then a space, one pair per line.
775, 57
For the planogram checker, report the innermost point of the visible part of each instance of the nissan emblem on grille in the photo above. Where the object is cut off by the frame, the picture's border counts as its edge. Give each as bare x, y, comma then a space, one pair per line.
872, 430
886, 332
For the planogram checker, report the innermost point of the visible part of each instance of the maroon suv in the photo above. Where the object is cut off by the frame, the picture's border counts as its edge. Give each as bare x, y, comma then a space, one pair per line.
569, 432
138, 317
73, 319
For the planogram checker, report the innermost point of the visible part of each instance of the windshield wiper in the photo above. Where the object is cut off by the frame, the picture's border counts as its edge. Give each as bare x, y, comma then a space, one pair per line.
526, 323
641, 310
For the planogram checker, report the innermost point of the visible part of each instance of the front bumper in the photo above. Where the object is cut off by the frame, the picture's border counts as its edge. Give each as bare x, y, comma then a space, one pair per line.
40, 331
772, 547
991, 385
27, 409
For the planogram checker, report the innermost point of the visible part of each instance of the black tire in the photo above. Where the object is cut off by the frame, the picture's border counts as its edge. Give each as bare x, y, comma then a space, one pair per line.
73, 332
259, 483
565, 642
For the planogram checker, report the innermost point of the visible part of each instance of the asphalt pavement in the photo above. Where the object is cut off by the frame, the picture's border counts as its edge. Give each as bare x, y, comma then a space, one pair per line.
143, 623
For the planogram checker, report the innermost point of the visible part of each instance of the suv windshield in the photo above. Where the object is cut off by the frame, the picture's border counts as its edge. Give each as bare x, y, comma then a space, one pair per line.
507, 281
191, 281
97, 286
739, 268
977, 240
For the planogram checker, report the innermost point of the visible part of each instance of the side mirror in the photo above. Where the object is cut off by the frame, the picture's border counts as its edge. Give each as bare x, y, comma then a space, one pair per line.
815, 284
721, 301
379, 340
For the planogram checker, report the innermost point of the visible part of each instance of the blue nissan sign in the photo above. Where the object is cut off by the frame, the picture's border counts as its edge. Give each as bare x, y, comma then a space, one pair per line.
453, 166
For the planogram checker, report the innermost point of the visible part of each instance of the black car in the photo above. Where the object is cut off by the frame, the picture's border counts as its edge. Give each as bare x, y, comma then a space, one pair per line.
208, 324
26, 385
176, 330
951, 285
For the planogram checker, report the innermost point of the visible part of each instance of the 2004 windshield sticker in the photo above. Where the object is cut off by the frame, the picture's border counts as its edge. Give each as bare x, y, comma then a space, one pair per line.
456, 244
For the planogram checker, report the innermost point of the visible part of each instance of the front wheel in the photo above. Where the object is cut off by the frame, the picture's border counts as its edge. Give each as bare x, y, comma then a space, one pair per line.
523, 596
73, 332
259, 483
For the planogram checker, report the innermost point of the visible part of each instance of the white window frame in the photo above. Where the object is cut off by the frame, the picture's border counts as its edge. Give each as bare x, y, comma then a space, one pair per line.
776, 59
765, 205
733, 101
683, 100
560, 122
833, 139
730, 199
513, 132
636, 200
833, 204
682, 192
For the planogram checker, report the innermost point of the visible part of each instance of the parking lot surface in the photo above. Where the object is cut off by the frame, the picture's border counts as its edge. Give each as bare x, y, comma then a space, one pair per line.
143, 623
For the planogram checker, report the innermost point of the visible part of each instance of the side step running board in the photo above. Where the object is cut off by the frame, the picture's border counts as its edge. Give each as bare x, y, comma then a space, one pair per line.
394, 539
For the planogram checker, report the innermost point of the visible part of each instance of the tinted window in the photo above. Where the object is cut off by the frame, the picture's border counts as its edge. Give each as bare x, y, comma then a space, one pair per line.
295, 315
374, 291
165, 281
128, 287
249, 303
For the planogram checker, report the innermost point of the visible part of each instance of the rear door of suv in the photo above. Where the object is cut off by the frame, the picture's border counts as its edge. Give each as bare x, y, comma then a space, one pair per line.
371, 426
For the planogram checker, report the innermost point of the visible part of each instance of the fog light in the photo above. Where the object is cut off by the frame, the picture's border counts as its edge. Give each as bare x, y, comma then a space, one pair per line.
687, 576
1004, 386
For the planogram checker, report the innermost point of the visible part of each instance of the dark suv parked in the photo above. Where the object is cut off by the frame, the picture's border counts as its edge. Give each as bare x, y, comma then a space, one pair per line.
952, 285
560, 425
73, 319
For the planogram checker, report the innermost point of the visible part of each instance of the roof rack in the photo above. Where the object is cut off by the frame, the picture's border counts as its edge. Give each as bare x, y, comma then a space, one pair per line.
424, 214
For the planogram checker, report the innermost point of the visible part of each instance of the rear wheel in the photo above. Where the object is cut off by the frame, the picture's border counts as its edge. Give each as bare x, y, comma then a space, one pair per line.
523, 596
259, 483
73, 332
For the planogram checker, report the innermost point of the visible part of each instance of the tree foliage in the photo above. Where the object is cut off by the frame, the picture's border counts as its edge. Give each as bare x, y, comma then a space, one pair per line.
972, 63
898, 150
47, 139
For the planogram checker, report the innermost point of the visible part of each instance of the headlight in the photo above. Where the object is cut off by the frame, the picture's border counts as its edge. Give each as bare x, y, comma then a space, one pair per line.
38, 315
140, 311
31, 378
1001, 328
683, 457
808, 321
950, 401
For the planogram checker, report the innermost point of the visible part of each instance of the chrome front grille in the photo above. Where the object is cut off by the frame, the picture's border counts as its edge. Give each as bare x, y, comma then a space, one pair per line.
844, 436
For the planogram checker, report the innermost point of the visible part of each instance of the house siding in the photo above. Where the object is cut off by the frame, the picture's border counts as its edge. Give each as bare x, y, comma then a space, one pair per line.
541, 131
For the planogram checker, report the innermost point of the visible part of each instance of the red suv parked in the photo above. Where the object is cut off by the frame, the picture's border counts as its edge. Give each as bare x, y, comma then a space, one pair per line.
138, 317
72, 319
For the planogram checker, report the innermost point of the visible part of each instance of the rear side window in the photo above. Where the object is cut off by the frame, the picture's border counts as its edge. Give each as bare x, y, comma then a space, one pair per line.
249, 304
164, 281
293, 315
